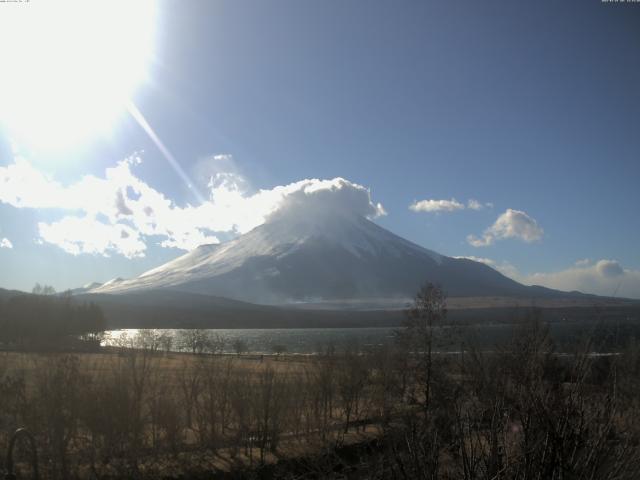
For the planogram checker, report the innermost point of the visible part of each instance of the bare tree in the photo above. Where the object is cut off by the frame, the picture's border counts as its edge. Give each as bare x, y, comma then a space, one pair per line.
193, 340
429, 309
240, 346
352, 378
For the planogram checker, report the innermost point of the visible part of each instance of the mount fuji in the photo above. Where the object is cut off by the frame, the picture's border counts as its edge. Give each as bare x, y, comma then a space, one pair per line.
330, 256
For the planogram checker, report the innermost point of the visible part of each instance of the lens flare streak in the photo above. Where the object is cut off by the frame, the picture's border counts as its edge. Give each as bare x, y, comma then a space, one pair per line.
137, 115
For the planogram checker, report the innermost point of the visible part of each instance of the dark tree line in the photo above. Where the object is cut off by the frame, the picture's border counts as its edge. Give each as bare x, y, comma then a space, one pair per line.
26, 318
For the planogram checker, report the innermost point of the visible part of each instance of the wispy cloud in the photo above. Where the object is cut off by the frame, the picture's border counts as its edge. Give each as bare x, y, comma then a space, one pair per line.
452, 205
473, 204
511, 224
119, 213
5, 243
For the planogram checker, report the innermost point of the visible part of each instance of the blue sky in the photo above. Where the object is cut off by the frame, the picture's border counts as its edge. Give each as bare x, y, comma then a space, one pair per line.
531, 108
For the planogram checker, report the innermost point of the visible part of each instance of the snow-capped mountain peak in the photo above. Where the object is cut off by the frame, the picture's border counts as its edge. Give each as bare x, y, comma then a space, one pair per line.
326, 256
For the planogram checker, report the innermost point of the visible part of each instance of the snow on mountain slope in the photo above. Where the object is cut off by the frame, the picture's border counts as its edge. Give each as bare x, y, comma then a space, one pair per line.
85, 288
330, 255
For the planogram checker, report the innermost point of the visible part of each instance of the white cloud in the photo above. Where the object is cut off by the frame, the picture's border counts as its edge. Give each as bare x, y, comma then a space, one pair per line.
511, 224
5, 243
322, 197
486, 261
473, 204
21, 185
604, 277
77, 235
609, 268
436, 206
225, 158
479, 242
119, 212
210, 168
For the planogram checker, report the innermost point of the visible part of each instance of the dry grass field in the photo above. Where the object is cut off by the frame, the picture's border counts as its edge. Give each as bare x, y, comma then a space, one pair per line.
143, 413
509, 413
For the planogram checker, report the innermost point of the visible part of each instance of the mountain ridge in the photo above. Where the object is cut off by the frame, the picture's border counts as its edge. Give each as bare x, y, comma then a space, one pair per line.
330, 256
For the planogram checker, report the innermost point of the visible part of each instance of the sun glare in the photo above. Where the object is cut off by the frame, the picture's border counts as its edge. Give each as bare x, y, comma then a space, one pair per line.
69, 67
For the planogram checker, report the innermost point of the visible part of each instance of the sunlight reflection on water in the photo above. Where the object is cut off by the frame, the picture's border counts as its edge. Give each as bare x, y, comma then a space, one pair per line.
295, 340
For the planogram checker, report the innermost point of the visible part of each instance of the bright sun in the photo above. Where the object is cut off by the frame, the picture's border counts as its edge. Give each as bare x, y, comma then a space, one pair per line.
69, 67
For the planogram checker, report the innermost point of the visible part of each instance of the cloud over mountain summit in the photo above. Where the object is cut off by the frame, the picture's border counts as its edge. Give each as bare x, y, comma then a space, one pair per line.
119, 213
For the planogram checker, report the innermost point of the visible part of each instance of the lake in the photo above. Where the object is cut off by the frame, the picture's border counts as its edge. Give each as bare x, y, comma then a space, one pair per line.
295, 340
315, 340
